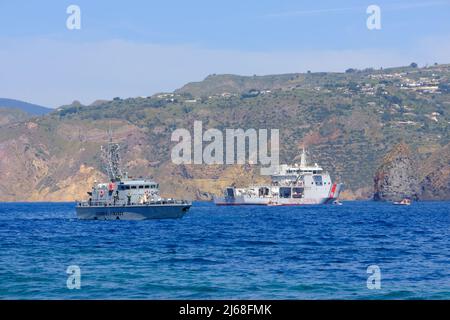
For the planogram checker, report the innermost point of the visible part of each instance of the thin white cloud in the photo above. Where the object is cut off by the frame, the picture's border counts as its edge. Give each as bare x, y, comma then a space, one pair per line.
388, 7
414, 5
309, 12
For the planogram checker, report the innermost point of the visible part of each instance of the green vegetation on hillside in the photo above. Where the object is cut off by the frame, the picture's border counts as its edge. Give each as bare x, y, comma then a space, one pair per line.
348, 121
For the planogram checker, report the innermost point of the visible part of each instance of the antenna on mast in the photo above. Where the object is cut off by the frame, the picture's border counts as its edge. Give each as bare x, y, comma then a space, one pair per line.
111, 158
303, 158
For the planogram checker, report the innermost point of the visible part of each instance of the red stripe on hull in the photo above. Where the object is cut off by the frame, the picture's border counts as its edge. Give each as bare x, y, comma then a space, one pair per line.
333, 190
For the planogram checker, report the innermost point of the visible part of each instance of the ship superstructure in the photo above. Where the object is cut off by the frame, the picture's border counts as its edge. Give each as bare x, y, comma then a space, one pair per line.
297, 184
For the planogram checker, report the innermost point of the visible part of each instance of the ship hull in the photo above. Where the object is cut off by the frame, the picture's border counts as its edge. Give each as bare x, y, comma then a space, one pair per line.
138, 212
240, 201
330, 198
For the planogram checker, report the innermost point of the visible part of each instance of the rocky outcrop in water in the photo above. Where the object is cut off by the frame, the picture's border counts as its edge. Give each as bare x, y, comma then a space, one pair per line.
397, 177
435, 184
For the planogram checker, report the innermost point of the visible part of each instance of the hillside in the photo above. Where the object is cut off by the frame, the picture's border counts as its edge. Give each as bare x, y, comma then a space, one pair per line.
32, 109
348, 121
9, 115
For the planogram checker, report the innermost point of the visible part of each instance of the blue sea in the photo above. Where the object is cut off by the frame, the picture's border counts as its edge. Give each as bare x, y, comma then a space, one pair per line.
312, 252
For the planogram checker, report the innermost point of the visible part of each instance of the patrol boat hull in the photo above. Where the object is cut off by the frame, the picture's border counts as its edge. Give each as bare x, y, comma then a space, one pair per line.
132, 212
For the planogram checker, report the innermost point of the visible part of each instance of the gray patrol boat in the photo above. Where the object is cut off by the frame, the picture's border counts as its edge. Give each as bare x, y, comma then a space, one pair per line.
125, 198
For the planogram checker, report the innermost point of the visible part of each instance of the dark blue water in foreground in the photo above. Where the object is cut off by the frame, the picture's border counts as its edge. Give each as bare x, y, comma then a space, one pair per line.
317, 252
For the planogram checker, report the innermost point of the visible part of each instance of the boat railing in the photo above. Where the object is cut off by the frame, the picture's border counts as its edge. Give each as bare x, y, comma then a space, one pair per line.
124, 204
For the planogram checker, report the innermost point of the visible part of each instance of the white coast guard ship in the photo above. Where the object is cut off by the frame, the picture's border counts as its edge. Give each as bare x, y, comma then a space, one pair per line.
298, 184
124, 198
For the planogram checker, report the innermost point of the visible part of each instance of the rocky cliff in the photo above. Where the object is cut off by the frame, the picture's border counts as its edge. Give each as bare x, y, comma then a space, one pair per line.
435, 183
397, 177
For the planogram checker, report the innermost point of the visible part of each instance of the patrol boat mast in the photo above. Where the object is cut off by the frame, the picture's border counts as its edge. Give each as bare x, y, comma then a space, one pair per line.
111, 159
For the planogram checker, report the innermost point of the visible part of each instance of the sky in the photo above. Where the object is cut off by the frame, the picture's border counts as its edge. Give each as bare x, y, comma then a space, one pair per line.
138, 48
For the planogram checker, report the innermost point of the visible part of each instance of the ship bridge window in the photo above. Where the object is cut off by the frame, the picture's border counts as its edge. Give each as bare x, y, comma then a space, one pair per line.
127, 187
141, 187
133, 187
318, 180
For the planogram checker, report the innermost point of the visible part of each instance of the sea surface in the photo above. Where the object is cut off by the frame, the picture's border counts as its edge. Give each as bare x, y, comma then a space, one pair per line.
312, 252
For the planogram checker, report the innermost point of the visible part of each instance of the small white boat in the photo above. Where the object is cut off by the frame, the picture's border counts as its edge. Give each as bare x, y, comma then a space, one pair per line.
404, 202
